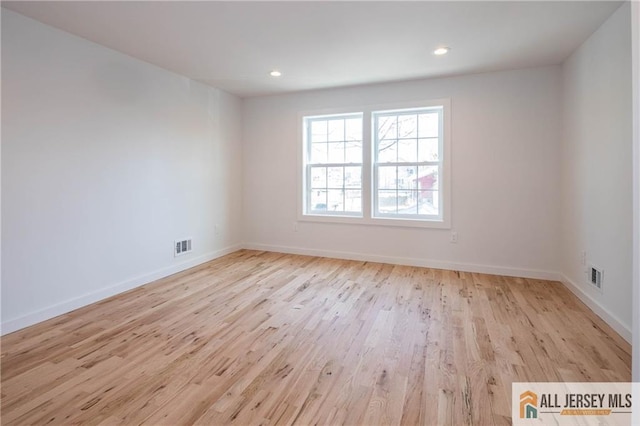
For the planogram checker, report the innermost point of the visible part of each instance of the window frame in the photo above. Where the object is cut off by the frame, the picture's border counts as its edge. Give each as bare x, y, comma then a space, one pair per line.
368, 170
376, 164
308, 166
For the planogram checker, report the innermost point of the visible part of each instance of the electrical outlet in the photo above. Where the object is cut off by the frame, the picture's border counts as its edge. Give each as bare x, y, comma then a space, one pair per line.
295, 226
454, 237
583, 258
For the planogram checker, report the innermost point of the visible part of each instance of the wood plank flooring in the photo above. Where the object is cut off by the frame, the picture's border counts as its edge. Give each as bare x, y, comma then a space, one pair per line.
268, 338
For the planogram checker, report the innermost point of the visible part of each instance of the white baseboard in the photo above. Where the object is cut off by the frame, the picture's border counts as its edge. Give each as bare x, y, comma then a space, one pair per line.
426, 263
81, 301
614, 322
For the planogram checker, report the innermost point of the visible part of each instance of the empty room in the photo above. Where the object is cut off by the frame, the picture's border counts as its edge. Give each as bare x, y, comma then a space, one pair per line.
322, 212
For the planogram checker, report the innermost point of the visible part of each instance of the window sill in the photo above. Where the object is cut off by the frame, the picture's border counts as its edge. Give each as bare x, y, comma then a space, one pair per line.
390, 222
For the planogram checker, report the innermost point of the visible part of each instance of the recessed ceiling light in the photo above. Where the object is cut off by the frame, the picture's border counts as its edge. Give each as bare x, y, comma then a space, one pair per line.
441, 51
275, 73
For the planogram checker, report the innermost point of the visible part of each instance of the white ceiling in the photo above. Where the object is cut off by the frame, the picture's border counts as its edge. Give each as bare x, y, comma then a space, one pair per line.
233, 45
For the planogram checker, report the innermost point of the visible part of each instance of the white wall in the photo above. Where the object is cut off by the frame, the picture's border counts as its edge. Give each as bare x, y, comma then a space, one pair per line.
597, 169
105, 161
505, 159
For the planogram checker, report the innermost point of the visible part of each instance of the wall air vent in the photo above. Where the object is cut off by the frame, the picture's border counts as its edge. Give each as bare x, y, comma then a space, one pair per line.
596, 276
181, 247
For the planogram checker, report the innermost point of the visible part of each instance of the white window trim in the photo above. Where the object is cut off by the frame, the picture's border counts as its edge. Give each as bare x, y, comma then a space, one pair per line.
367, 217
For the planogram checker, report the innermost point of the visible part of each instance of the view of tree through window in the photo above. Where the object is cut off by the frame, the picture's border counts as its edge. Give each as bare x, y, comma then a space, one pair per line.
407, 162
402, 178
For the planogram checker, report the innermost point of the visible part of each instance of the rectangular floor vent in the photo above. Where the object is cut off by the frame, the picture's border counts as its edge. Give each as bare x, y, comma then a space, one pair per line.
182, 246
595, 277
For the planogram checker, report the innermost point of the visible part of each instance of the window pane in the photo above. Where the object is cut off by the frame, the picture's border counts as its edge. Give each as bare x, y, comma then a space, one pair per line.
407, 151
387, 201
428, 149
318, 177
335, 200
407, 202
428, 125
353, 129
353, 177
407, 177
428, 177
318, 153
353, 152
335, 177
387, 177
387, 127
336, 130
318, 131
407, 126
428, 202
319, 200
353, 201
388, 151
336, 152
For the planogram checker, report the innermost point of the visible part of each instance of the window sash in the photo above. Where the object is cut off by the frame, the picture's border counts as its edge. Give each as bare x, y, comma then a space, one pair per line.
376, 115
309, 190
309, 165
415, 216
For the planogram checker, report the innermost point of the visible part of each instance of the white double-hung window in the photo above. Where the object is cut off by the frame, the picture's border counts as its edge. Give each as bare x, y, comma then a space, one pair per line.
408, 163
333, 169
380, 166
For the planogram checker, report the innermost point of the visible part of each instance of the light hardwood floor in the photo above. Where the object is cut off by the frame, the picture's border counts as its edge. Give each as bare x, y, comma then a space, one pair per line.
268, 338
